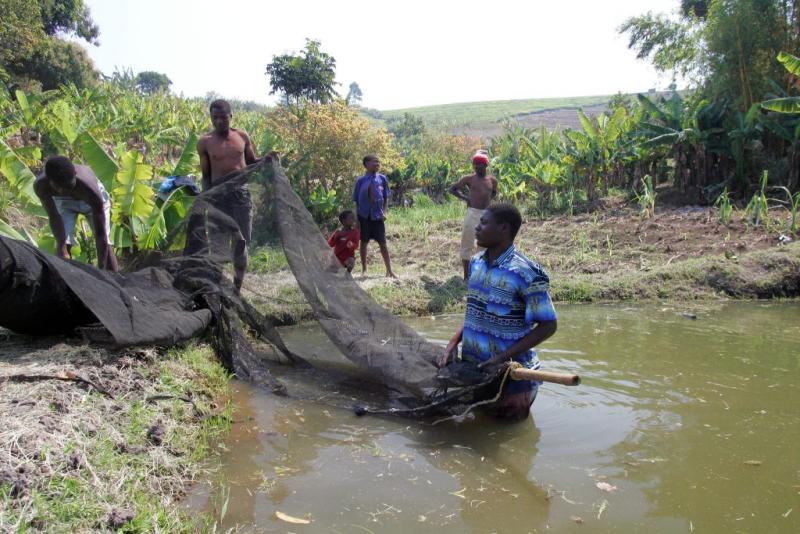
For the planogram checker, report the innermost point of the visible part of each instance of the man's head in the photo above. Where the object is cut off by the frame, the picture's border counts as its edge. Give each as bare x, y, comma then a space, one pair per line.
348, 219
480, 161
499, 225
371, 163
60, 171
220, 112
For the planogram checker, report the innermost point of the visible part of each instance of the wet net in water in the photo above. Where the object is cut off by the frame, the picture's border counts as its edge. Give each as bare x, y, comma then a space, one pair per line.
167, 300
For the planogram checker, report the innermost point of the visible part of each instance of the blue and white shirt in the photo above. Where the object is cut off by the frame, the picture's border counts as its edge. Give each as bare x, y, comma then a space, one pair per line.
505, 300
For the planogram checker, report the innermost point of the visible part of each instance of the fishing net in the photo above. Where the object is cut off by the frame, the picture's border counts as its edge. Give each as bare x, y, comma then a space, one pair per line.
168, 299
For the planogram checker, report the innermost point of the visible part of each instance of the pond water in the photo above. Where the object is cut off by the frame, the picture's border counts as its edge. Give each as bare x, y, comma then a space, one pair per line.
692, 423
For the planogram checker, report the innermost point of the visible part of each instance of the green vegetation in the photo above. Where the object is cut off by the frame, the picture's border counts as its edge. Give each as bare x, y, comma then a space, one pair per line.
112, 463
34, 51
477, 113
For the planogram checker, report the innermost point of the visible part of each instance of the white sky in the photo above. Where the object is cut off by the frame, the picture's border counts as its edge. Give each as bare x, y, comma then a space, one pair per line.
402, 54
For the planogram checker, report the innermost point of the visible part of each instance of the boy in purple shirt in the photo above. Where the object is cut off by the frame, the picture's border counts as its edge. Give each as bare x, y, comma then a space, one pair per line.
371, 196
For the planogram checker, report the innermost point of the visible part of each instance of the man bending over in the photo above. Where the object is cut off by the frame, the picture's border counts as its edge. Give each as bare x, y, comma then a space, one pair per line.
68, 190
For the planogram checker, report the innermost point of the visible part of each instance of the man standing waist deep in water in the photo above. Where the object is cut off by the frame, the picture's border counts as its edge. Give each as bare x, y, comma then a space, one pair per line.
482, 189
508, 312
224, 151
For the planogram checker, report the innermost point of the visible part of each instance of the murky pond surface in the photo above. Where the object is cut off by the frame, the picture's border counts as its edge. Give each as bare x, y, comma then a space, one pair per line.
694, 422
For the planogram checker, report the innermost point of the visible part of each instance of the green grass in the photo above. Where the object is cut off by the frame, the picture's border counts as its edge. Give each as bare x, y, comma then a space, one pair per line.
143, 478
469, 113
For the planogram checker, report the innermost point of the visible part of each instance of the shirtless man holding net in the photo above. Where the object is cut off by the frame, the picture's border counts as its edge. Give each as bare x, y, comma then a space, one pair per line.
223, 151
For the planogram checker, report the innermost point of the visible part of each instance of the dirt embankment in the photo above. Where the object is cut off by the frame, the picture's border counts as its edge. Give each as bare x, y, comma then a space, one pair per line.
103, 440
681, 253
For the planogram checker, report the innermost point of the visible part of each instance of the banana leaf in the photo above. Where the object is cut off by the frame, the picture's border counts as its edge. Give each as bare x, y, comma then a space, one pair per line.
783, 105
18, 174
7, 231
588, 127
792, 63
97, 158
132, 195
189, 160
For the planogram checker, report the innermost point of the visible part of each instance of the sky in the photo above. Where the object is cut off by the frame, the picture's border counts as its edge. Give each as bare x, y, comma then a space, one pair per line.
402, 54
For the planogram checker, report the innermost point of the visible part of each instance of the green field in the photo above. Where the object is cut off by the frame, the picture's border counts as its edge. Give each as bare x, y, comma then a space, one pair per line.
485, 118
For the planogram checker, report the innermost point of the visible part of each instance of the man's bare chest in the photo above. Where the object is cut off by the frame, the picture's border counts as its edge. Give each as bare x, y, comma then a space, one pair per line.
480, 185
231, 149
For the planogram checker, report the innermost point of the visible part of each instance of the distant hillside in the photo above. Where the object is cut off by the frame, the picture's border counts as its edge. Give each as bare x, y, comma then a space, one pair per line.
485, 119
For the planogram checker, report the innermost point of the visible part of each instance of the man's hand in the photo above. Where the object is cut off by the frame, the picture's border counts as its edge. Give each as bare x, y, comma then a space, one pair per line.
450, 353
497, 359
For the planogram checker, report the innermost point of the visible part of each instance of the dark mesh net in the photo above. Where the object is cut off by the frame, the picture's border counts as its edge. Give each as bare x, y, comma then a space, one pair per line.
168, 300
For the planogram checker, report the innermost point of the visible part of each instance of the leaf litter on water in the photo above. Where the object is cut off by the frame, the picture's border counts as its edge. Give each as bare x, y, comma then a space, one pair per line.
605, 486
291, 519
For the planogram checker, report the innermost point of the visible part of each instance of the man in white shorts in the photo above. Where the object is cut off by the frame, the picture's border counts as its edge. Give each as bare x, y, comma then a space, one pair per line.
477, 190
68, 190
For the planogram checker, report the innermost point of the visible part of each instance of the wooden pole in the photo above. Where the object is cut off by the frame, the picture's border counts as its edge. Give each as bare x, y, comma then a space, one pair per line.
523, 373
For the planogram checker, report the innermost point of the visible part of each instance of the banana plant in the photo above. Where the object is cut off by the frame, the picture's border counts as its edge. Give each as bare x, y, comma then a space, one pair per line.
789, 104
19, 176
132, 200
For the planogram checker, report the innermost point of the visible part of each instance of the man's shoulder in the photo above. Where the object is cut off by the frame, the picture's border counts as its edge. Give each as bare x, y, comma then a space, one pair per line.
240, 133
525, 267
41, 184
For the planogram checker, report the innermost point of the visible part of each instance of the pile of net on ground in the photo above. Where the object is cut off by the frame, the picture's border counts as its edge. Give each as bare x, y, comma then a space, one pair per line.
168, 300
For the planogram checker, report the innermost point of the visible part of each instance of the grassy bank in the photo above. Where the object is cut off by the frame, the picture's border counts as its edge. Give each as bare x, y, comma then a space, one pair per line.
682, 253
117, 454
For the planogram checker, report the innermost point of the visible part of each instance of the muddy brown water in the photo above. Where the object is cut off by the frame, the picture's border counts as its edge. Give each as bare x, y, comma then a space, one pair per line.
692, 423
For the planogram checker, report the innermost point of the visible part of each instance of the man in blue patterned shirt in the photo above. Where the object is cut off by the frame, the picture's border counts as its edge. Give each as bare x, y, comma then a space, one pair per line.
508, 308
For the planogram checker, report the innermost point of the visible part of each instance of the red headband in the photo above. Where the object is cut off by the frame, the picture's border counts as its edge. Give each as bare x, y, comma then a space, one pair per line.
480, 158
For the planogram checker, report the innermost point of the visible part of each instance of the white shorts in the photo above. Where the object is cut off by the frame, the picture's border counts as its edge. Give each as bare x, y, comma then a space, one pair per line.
69, 208
471, 220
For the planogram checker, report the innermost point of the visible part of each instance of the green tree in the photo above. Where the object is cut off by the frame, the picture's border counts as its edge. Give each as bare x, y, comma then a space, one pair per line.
150, 82
354, 95
408, 130
32, 47
21, 32
726, 47
308, 75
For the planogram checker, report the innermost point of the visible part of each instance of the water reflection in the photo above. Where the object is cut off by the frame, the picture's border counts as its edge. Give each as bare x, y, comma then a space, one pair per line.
378, 474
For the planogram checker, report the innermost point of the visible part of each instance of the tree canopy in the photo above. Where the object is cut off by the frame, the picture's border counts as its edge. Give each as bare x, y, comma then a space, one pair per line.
354, 95
32, 50
726, 47
308, 75
150, 82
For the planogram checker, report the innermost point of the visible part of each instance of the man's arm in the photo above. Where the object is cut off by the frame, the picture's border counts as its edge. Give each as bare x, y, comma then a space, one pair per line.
249, 153
451, 349
541, 331
355, 195
386, 193
54, 218
457, 189
494, 187
205, 164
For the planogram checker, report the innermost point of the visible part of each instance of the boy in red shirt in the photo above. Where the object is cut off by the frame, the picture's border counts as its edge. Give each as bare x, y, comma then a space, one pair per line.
345, 241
